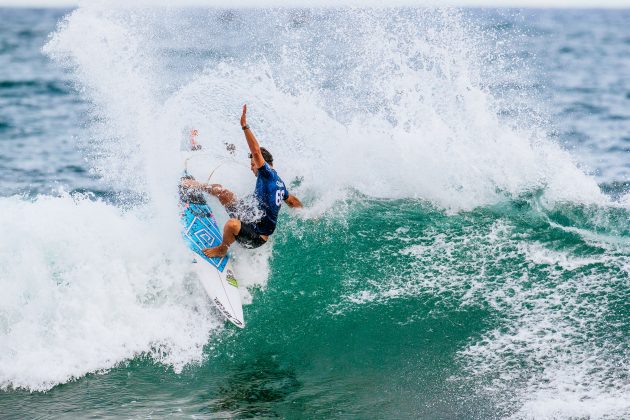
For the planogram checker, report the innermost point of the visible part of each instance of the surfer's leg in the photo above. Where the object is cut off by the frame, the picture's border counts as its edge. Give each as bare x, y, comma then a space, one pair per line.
230, 232
225, 196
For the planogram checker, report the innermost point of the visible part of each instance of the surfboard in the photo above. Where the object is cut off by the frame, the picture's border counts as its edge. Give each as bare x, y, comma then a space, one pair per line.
200, 230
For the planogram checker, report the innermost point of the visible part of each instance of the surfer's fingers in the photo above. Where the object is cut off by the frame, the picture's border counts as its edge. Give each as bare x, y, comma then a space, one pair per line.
244, 115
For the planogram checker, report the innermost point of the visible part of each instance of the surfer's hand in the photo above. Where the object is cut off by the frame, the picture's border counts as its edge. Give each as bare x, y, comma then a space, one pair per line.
244, 117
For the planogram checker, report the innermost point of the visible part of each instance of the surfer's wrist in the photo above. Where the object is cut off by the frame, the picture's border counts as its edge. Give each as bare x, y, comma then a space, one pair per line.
245, 127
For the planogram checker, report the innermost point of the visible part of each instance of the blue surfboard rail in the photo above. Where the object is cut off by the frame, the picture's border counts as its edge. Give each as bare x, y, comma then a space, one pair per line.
200, 227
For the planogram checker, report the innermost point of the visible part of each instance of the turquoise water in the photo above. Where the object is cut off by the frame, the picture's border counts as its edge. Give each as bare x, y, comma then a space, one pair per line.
465, 251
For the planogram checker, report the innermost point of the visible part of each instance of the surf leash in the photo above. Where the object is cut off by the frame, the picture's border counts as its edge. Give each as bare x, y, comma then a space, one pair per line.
196, 147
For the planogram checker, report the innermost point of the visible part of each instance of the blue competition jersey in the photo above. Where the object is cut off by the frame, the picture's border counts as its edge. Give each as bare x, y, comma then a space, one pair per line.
270, 193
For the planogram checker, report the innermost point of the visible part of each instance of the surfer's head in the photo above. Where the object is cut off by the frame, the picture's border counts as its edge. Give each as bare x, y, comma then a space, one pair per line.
266, 155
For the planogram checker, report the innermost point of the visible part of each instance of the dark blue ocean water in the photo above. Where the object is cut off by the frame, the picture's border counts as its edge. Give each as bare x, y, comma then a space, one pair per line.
465, 249
41, 113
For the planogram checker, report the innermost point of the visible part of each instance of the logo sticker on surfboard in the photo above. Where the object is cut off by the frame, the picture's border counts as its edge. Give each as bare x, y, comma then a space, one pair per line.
230, 278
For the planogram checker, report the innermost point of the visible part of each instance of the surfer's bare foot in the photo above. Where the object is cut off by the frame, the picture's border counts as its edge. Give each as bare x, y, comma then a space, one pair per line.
217, 251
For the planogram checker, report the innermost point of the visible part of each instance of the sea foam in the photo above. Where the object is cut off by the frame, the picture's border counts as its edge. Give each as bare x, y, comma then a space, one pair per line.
87, 285
390, 103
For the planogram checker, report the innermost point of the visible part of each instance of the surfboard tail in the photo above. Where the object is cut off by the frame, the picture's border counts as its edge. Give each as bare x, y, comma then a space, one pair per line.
222, 288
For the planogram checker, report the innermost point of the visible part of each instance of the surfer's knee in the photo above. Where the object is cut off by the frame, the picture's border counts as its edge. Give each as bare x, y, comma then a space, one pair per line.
230, 230
215, 189
233, 225
225, 196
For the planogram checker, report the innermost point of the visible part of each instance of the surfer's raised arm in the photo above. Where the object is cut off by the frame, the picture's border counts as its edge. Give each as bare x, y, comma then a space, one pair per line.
254, 147
259, 157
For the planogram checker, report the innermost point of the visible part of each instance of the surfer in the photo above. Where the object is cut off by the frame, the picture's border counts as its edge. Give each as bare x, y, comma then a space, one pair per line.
269, 194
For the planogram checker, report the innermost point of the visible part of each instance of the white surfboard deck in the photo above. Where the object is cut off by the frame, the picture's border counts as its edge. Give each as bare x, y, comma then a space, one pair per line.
201, 231
222, 288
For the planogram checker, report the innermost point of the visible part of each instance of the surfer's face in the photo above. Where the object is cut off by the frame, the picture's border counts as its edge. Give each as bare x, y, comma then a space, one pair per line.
253, 167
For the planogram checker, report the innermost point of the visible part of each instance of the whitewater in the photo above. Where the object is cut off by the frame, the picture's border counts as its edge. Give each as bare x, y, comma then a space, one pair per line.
460, 251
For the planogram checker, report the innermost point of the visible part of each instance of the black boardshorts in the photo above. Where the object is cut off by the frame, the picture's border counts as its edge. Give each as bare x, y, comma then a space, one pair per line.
248, 236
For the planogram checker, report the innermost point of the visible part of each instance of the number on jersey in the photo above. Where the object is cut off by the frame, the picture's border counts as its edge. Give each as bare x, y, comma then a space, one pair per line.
279, 197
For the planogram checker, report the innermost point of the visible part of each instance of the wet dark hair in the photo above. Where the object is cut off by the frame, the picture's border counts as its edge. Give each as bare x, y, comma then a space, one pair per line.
267, 155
